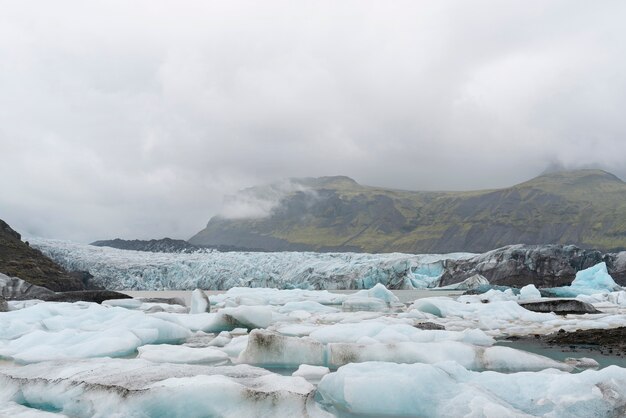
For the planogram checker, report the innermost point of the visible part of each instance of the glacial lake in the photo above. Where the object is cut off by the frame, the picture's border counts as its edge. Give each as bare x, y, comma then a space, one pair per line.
405, 296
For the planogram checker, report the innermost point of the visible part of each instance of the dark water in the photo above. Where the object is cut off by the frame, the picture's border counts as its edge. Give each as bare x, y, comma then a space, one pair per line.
560, 353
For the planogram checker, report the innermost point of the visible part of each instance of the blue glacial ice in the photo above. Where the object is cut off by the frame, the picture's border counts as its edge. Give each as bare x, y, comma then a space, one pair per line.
122, 269
449, 390
590, 281
135, 388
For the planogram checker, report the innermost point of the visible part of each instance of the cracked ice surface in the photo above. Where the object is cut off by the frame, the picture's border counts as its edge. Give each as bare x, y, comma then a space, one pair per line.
123, 269
138, 388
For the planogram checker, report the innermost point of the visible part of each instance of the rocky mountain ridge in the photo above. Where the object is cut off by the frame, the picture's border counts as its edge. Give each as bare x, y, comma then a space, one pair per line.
586, 208
19, 259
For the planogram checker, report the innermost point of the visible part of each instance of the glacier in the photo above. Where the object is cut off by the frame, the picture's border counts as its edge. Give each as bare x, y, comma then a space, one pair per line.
135, 270
271, 352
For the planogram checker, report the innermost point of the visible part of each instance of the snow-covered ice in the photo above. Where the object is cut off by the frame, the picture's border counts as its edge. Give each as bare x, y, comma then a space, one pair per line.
199, 302
138, 388
124, 269
164, 353
312, 374
449, 390
590, 281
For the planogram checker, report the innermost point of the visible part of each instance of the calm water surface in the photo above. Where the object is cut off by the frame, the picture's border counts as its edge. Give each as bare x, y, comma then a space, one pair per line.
405, 296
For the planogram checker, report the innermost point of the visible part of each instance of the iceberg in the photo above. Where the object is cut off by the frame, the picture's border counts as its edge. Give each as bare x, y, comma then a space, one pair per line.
590, 281
165, 353
270, 349
312, 374
449, 390
199, 302
138, 388
52, 331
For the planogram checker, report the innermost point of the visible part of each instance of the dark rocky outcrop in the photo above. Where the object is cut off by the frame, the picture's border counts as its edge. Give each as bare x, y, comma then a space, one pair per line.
560, 306
429, 326
96, 296
4, 307
164, 245
541, 265
18, 259
608, 341
15, 288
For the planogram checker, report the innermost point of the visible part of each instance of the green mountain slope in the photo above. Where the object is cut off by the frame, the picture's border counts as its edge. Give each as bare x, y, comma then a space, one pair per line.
583, 207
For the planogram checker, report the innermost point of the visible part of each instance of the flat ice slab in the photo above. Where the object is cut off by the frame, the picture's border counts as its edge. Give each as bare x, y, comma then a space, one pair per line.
138, 388
449, 390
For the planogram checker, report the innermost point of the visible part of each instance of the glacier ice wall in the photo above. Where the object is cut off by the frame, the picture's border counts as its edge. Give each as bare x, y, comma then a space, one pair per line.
135, 270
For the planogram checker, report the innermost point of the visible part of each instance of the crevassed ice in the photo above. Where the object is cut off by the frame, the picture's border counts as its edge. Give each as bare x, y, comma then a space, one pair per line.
124, 269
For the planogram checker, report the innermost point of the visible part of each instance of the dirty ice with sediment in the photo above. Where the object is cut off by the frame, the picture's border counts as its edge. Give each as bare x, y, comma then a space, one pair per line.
289, 347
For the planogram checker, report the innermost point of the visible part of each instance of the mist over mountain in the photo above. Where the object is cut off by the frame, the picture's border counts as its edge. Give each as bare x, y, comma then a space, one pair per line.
585, 207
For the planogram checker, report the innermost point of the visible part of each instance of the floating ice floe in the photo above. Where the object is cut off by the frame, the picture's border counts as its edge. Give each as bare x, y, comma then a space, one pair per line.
165, 353
138, 388
312, 374
51, 331
199, 302
593, 280
270, 349
449, 390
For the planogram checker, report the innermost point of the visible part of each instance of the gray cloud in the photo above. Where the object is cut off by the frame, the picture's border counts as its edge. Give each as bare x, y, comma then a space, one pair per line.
134, 119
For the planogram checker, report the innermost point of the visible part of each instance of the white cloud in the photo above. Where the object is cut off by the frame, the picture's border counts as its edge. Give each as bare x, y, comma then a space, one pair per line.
134, 119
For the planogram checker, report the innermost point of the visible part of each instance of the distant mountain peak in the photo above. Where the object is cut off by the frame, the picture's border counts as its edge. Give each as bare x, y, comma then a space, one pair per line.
326, 181
577, 177
583, 172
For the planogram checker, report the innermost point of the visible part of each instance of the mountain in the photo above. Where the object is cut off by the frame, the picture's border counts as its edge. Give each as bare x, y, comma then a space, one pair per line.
586, 208
164, 245
18, 259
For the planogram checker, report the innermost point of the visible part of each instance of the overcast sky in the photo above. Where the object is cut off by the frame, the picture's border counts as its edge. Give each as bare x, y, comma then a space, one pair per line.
133, 119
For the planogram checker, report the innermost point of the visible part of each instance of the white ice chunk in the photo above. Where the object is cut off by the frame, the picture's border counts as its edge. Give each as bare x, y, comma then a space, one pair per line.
379, 291
138, 388
529, 292
312, 374
593, 280
165, 353
447, 389
199, 302
582, 362
50, 331
266, 348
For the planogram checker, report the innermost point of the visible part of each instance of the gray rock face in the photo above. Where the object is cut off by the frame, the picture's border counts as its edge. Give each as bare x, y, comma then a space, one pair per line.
14, 288
543, 266
560, 306
4, 307
96, 296
473, 282
164, 245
